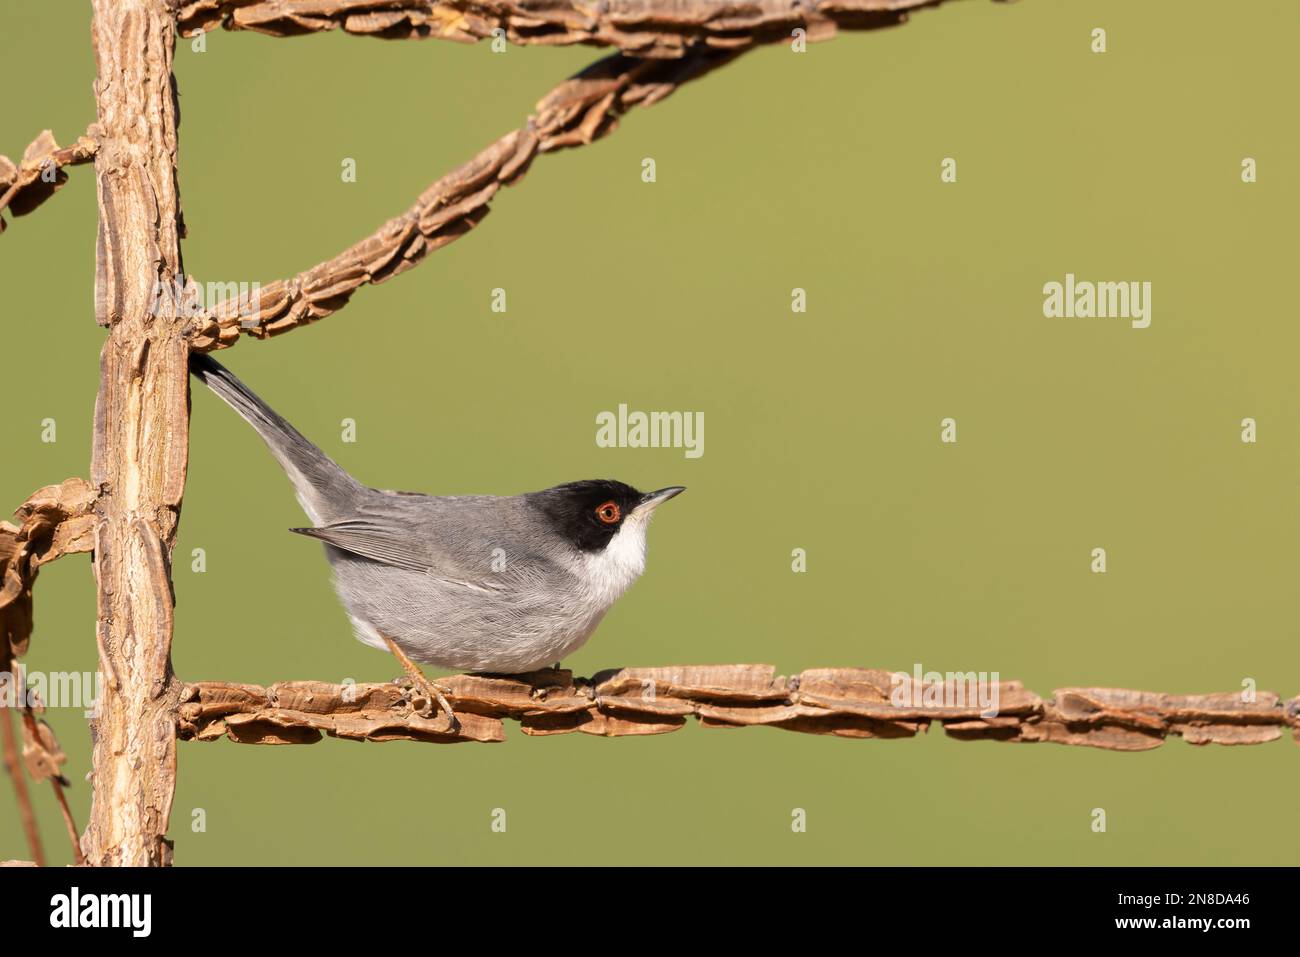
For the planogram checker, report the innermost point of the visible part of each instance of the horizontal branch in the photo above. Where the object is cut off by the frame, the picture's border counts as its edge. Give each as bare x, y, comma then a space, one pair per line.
645, 28
39, 174
847, 702
579, 111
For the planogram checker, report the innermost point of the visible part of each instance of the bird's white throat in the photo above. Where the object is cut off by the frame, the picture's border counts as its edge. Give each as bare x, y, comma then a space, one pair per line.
611, 571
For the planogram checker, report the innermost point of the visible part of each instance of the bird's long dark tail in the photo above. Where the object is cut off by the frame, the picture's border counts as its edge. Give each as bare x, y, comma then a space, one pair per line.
325, 491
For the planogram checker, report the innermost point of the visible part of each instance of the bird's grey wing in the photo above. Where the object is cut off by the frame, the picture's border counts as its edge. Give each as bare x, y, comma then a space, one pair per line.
376, 542
458, 541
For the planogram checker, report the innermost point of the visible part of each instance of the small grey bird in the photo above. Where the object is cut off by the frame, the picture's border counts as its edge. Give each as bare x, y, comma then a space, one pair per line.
480, 583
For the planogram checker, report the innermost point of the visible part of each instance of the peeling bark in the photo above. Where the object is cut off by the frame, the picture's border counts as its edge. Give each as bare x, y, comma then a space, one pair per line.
56, 520
845, 702
649, 28
39, 175
141, 431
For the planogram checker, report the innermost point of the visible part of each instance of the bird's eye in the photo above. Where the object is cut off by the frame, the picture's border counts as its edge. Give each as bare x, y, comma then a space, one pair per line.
608, 513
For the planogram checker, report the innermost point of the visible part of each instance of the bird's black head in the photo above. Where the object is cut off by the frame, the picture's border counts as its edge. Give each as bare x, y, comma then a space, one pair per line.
589, 514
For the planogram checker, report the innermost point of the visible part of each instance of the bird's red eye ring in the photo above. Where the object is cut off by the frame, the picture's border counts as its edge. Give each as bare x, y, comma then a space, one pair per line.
608, 513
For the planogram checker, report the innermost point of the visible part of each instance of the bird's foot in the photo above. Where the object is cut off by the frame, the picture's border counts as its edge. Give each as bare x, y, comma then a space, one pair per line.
421, 684
424, 695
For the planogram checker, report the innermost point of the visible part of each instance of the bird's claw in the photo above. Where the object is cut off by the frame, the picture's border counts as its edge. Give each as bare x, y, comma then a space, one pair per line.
425, 697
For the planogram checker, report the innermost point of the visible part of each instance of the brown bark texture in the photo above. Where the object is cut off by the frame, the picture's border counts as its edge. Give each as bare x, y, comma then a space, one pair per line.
54, 521
645, 28
846, 702
141, 431
39, 174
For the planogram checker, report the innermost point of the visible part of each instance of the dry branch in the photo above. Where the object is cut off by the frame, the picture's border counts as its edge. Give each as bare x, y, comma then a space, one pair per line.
44, 758
646, 28
56, 520
577, 112
21, 795
141, 430
39, 174
846, 702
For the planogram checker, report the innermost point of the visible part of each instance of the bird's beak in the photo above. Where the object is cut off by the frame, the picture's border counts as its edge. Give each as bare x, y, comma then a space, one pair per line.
652, 500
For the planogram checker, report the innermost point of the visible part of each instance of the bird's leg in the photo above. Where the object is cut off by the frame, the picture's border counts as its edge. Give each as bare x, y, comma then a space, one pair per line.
422, 682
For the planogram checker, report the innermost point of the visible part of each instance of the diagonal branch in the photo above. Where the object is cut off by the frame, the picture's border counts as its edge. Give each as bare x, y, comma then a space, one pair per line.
39, 175
846, 702
44, 759
578, 111
15, 771
646, 28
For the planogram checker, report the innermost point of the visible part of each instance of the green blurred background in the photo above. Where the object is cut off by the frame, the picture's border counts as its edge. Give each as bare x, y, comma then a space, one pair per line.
819, 171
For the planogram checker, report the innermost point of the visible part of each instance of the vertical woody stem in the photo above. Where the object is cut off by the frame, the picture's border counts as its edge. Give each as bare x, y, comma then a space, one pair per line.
141, 431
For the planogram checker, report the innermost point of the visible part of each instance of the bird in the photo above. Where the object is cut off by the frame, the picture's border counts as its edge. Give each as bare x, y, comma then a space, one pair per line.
483, 584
